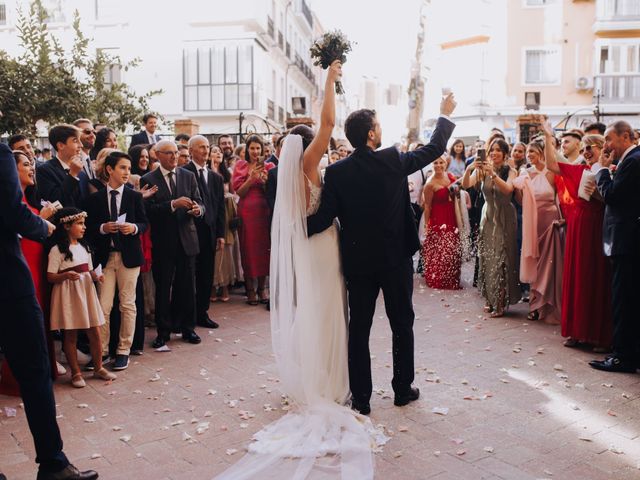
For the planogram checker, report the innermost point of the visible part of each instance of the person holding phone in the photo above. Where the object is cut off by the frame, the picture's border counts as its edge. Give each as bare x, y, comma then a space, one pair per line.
249, 179
497, 243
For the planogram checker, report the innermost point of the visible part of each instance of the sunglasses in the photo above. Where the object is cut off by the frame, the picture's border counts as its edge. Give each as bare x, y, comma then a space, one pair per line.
89, 131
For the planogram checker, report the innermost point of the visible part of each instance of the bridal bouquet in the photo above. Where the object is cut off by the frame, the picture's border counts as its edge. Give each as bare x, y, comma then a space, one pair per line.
327, 49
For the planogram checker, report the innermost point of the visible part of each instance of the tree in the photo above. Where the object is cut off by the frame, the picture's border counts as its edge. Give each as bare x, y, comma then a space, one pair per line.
46, 82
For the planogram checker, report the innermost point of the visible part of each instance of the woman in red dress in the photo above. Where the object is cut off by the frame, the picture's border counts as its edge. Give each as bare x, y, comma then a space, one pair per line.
34, 255
442, 251
249, 178
586, 285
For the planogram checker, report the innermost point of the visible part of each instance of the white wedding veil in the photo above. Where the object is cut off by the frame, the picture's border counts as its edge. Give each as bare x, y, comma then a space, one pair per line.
319, 438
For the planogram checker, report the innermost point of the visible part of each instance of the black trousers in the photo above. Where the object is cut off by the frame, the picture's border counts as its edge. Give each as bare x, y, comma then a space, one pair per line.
205, 262
174, 276
626, 321
23, 342
397, 288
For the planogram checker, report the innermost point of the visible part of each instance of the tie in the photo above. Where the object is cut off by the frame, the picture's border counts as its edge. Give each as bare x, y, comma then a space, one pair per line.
88, 168
172, 184
115, 238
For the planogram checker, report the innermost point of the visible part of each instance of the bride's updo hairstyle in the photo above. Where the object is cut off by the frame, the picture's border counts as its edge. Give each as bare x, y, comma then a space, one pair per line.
305, 132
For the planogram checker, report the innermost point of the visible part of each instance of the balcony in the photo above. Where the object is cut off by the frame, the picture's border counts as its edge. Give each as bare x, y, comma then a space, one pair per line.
270, 110
270, 28
280, 40
281, 115
616, 16
288, 51
618, 89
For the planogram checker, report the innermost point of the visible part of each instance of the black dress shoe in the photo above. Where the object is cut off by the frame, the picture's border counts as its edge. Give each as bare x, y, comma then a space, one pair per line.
68, 473
613, 364
2, 476
410, 396
206, 322
363, 408
191, 337
159, 342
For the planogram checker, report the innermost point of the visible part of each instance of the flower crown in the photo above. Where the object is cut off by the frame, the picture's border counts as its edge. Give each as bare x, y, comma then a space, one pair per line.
73, 218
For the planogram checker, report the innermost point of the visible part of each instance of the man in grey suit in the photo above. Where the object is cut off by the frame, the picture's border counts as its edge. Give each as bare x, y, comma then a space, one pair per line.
171, 212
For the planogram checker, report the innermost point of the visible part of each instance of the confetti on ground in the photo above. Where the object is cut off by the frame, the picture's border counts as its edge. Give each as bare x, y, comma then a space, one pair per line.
95, 455
231, 451
83, 405
125, 438
488, 449
397, 454
440, 410
558, 367
164, 348
10, 412
91, 419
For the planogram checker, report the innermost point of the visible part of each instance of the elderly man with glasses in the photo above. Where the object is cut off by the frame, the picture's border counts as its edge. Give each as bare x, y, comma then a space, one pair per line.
171, 212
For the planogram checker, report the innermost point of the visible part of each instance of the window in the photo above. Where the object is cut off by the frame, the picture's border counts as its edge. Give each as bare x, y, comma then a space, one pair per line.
107, 10
619, 58
55, 11
542, 66
3, 14
218, 78
113, 71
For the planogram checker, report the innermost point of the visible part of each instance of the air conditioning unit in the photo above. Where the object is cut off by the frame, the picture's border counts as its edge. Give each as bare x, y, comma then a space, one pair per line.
584, 83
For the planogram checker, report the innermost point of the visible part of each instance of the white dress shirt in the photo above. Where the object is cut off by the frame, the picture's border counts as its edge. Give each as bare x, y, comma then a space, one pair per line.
120, 191
205, 172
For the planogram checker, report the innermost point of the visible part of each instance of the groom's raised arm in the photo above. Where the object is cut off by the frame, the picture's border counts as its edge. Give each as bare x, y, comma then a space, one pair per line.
423, 156
323, 218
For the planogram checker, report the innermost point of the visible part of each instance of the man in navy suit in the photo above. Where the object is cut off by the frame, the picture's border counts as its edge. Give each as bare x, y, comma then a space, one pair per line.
171, 212
148, 135
59, 178
621, 238
117, 248
369, 194
210, 227
22, 327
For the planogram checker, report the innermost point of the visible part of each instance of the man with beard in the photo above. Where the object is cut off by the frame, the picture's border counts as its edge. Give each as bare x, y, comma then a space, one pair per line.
225, 143
88, 140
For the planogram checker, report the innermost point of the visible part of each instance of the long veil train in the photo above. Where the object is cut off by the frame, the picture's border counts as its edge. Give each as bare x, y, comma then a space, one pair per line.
319, 438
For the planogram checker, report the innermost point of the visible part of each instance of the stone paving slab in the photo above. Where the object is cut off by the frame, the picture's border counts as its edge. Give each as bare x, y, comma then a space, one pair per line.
520, 405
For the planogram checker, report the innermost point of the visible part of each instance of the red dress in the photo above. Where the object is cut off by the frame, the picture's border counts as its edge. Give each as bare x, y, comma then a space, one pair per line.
442, 251
586, 285
34, 255
254, 212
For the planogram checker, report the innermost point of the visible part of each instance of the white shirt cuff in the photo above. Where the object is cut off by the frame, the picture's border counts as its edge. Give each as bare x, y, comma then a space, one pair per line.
597, 167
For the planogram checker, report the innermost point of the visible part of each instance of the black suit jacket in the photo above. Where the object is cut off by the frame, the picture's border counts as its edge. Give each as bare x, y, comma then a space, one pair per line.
272, 159
141, 138
97, 206
15, 218
167, 227
213, 199
621, 194
369, 194
272, 188
54, 183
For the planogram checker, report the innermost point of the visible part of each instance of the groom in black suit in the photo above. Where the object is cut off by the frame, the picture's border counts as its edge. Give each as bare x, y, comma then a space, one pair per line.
369, 194
621, 237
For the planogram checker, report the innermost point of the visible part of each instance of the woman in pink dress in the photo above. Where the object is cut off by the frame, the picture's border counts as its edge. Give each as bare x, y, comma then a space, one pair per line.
542, 237
587, 313
249, 179
442, 252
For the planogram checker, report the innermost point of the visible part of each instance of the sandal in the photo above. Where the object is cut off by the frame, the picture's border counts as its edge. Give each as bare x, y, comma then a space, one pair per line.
104, 374
571, 342
78, 381
496, 314
263, 300
252, 298
533, 316
488, 308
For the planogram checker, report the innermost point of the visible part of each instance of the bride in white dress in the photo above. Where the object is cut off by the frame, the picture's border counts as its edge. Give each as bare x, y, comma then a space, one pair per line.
320, 437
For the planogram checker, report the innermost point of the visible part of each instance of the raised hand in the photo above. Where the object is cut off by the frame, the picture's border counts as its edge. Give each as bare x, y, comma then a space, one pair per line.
335, 72
448, 105
547, 129
148, 191
75, 165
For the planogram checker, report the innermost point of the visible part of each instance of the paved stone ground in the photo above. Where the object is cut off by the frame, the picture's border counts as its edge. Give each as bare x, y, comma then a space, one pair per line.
520, 405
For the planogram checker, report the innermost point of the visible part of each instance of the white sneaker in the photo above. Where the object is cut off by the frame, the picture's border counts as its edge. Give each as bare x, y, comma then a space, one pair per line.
61, 369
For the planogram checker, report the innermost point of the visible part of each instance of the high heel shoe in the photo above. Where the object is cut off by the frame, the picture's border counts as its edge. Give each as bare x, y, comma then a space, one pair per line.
252, 297
263, 300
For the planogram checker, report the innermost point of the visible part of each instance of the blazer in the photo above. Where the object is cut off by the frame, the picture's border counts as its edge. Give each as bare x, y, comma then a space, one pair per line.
54, 183
15, 218
167, 227
213, 199
369, 194
97, 206
141, 138
621, 194
271, 188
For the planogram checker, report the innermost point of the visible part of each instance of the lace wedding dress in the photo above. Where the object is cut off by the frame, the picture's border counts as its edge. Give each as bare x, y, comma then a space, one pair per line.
319, 438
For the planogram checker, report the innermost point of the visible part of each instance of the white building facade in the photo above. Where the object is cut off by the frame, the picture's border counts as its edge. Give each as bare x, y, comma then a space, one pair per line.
214, 60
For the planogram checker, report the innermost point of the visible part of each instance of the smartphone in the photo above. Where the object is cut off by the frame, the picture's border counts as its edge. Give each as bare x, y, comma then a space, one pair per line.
481, 155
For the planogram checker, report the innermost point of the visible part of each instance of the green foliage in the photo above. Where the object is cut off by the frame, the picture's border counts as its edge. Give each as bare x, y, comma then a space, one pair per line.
46, 82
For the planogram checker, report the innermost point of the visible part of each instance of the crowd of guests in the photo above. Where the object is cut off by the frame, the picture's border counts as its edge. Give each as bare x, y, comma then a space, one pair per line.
549, 223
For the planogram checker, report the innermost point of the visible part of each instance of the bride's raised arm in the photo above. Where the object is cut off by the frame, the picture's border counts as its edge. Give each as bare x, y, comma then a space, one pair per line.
314, 152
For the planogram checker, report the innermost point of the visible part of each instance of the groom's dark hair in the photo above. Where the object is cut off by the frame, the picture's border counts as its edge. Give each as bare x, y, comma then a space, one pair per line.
357, 126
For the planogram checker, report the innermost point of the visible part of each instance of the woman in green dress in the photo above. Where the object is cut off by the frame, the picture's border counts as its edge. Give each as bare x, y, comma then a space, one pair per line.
497, 244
